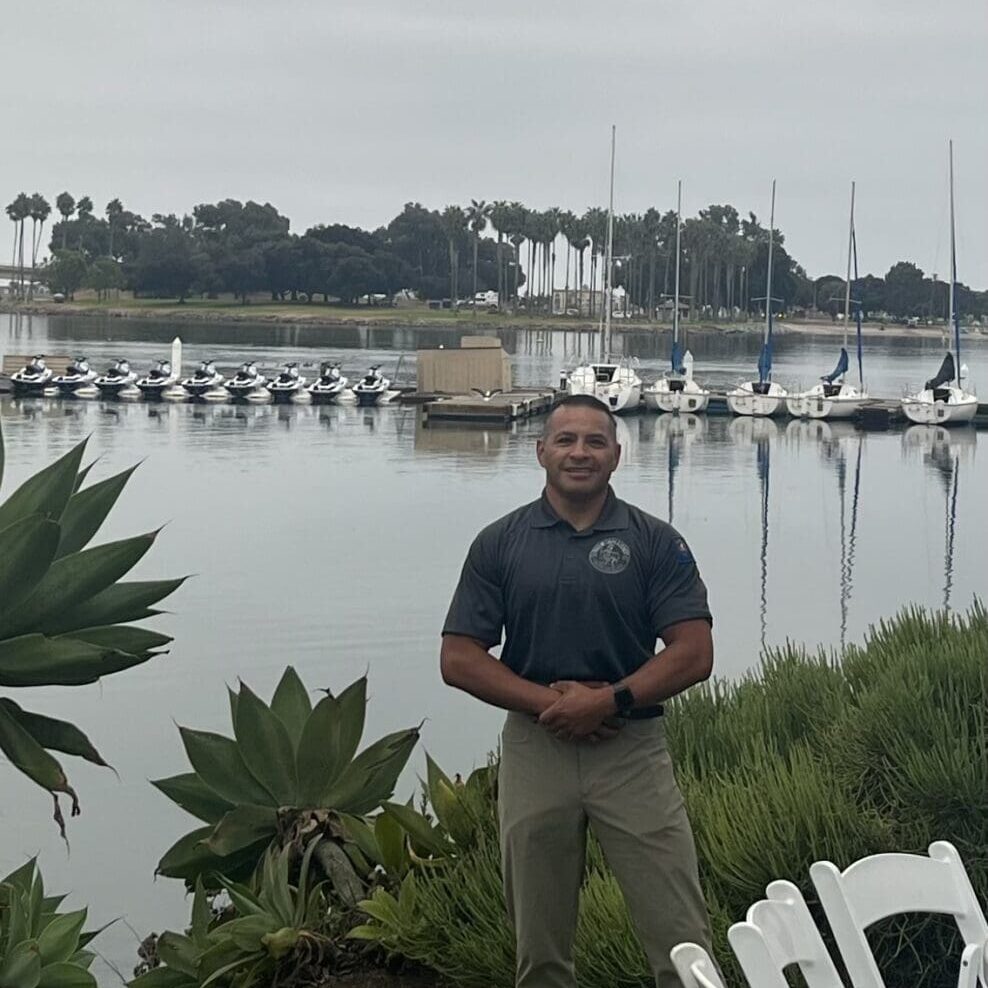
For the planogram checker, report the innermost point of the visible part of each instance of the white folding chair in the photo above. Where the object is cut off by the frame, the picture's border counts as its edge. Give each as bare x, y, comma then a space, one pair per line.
694, 966
777, 932
887, 884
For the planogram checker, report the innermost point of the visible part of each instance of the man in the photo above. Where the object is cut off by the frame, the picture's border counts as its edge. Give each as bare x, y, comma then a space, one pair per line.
584, 584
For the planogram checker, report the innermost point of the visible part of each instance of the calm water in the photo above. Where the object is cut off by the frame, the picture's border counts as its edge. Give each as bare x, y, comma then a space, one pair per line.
331, 538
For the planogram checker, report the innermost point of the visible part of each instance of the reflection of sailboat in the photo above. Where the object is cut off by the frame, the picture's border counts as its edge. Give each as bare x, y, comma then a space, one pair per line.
942, 452
761, 432
678, 431
941, 401
676, 391
834, 397
615, 383
764, 396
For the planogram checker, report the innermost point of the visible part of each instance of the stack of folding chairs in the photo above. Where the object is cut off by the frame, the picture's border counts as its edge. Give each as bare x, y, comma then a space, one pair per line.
779, 930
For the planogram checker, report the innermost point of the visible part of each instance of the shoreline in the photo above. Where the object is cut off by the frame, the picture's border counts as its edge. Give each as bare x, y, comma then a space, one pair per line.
427, 320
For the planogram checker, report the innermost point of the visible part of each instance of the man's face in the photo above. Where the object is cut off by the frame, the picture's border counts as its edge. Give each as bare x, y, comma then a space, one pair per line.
579, 453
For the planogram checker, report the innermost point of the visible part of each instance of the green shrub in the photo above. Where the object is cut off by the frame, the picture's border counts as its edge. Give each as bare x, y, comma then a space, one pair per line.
805, 758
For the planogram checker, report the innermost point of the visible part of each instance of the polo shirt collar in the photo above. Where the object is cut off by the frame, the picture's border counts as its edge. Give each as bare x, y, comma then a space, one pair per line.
613, 516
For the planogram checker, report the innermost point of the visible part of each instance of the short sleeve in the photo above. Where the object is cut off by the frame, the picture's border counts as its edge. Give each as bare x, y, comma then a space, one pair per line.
676, 592
477, 609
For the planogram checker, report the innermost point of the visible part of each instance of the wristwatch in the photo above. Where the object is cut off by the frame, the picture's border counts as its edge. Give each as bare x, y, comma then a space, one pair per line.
624, 699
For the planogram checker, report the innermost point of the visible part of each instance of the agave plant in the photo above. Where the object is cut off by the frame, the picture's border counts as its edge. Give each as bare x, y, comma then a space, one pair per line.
65, 614
290, 771
276, 932
39, 946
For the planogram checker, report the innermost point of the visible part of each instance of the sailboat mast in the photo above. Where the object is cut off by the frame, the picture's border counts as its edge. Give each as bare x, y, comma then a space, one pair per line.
675, 311
609, 259
768, 279
954, 321
857, 311
847, 280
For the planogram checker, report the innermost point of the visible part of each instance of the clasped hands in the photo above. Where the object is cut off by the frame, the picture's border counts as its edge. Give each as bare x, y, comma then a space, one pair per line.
583, 712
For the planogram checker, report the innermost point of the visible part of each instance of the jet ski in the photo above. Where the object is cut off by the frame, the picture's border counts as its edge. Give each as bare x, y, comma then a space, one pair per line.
157, 380
371, 387
117, 377
287, 384
245, 381
33, 378
205, 378
328, 386
78, 374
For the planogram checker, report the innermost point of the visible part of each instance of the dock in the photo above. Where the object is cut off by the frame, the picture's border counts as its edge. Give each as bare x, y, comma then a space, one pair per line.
503, 407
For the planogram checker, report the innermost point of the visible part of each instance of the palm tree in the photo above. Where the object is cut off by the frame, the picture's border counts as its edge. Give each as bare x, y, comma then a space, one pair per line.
114, 213
478, 213
501, 221
19, 210
454, 224
552, 226
567, 225
595, 223
40, 211
65, 204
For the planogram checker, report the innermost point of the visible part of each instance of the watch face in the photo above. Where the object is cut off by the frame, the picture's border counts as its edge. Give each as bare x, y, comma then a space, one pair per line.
624, 698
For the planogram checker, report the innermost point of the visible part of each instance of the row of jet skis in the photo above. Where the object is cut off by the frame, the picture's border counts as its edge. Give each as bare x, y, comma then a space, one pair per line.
248, 383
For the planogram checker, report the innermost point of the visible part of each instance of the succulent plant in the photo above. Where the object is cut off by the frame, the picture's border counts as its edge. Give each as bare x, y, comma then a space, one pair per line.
277, 929
290, 771
65, 614
39, 946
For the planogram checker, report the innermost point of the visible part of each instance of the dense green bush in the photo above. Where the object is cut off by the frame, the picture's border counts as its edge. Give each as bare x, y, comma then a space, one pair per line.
806, 758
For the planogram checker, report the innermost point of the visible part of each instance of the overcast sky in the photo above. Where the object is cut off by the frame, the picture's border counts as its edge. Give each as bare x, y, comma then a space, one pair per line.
341, 111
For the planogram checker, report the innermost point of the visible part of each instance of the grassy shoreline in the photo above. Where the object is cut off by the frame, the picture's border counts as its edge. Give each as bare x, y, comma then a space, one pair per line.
199, 311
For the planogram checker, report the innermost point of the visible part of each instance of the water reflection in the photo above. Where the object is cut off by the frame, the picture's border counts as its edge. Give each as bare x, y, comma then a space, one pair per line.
941, 451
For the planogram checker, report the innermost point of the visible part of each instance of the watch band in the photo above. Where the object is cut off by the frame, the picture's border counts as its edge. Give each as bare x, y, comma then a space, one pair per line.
624, 699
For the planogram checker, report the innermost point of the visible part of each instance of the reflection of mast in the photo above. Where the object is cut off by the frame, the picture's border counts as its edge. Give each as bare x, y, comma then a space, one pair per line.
762, 453
673, 446
848, 540
951, 527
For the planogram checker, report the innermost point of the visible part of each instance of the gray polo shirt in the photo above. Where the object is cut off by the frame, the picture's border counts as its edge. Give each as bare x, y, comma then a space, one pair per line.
584, 605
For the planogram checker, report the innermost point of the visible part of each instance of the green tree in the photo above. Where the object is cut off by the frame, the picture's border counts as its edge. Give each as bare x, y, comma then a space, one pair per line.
905, 293
478, 214
454, 224
104, 275
66, 273
40, 210
65, 204
84, 208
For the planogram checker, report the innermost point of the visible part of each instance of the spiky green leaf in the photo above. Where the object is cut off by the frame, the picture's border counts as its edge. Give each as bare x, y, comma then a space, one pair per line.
34, 660
27, 755
291, 704
426, 837
317, 758
47, 492
371, 777
122, 638
73, 579
87, 510
55, 735
131, 600
194, 796
59, 940
189, 858
242, 827
219, 764
178, 952
350, 725
27, 549
66, 974
265, 747
21, 965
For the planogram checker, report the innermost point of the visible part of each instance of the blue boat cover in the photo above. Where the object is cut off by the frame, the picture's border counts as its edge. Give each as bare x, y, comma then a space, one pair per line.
839, 370
945, 375
765, 363
677, 359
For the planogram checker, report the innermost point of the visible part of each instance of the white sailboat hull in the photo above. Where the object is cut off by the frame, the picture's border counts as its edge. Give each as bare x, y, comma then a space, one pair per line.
926, 408
747, 399
616, 385
817, 404
675, 396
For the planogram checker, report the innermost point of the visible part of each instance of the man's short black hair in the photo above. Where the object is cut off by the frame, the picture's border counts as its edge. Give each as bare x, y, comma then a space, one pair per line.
579, 401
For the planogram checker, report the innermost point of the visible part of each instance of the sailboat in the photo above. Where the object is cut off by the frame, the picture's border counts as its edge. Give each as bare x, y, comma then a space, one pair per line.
676, 391
615, 383
764, 396
834, 397
942, 402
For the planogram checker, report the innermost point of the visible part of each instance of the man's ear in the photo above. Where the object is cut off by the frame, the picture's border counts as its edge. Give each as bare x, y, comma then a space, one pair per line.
539, 448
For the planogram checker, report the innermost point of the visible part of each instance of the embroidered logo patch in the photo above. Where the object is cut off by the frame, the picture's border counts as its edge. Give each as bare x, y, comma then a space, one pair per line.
610, 556
683, 555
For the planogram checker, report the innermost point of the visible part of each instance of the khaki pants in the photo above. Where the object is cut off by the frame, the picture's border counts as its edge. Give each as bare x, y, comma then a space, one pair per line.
549, 791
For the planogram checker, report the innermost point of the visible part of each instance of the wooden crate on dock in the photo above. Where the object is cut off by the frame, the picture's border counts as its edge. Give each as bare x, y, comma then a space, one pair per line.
479, 362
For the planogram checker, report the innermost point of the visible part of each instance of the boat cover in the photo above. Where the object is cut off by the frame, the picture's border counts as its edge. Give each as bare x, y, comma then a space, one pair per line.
677, 359
945, 375
765, 363
839, 370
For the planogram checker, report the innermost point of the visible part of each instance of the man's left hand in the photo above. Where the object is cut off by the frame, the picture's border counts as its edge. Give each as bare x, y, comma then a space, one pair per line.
580, 712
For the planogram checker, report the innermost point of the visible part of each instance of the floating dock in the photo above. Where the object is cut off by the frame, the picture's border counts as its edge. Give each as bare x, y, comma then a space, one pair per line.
504, 406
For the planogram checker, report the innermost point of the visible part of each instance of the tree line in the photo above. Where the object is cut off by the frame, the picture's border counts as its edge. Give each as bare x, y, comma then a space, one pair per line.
520, 253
